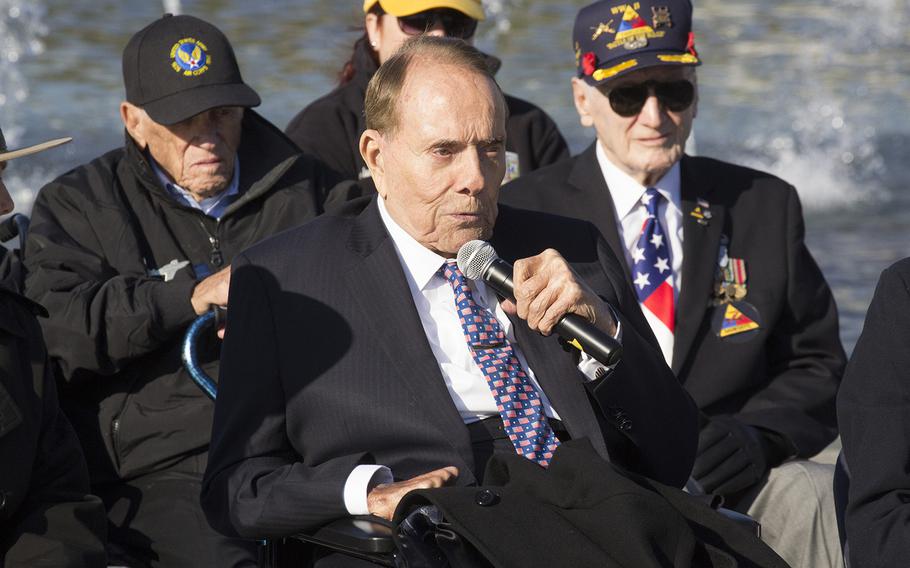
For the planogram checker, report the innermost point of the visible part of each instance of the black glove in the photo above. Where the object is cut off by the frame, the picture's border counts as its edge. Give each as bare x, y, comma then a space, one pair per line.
731, 456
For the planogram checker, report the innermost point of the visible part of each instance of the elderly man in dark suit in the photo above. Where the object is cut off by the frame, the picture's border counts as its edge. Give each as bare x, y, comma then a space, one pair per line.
873, 410
716, 256
349, 374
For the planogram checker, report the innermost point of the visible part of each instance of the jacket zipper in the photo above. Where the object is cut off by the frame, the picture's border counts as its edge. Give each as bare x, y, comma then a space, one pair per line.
216, 258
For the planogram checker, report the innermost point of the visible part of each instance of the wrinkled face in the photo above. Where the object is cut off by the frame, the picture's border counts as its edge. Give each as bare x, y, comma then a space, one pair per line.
198, 153
6, 201
646, 145
386, 35
442, 166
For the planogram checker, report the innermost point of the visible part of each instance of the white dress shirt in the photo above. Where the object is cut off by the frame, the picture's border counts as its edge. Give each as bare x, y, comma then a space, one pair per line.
435, 301
631, 215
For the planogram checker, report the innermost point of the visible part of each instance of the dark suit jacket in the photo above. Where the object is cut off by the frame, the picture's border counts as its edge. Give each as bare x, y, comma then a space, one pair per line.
326, 366
582, 511
785, 377
874, 411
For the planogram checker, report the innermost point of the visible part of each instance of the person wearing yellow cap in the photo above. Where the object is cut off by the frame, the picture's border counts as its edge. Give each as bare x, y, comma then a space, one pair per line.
330, 127
47, 517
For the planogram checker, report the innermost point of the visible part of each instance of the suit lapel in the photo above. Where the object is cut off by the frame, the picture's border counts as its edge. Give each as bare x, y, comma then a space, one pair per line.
588, 178
700, 247
378, 283
553, 368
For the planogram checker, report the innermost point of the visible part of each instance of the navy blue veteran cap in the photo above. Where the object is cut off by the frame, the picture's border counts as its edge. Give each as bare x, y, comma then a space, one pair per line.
612, 37
179, 66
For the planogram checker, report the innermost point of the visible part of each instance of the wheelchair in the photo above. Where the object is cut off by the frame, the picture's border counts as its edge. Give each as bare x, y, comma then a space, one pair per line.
364, 537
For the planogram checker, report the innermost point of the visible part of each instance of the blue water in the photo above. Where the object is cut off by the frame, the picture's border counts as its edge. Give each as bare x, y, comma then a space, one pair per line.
815, 91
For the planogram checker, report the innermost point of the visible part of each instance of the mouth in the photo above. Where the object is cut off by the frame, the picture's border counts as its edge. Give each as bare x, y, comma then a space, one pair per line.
467, 217
656, 140
208, 162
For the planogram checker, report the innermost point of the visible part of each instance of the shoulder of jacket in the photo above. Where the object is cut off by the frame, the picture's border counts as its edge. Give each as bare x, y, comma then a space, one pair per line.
92, 181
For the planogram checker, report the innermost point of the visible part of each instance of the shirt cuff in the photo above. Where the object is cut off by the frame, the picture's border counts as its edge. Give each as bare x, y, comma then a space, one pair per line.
590, 367
358, 486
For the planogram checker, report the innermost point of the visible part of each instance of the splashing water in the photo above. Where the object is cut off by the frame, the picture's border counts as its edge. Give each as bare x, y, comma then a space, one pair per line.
808, 83
21, 33
498, 11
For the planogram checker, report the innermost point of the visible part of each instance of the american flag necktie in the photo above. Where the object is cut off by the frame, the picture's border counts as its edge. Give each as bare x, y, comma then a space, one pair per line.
651, 269
516, 397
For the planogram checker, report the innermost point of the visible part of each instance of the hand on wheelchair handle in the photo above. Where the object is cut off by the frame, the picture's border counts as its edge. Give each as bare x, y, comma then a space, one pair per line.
383, 499
731, 456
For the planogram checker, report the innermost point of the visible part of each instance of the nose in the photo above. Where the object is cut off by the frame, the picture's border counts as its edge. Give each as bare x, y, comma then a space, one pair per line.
437, 29
207, 128
473, 181
6, 200
651, 114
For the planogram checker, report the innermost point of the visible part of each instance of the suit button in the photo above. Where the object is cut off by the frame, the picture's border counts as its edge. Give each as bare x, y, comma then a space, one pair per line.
625, 425
486, 498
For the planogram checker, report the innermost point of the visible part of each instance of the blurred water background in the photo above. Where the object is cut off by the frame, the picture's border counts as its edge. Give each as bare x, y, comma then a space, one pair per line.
815, 91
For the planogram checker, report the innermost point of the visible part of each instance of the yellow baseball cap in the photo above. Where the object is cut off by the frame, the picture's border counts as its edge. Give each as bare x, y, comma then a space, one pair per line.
470, 8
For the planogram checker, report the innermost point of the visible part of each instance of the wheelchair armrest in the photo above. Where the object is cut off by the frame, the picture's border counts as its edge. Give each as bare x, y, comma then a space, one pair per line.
361, 533
742, 520
365, 537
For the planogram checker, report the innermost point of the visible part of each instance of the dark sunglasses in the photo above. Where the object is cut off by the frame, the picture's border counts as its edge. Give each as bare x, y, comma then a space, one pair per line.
454, 23
675, 96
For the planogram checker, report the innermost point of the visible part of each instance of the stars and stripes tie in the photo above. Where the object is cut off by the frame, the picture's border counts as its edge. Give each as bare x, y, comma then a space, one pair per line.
517, 399
651, 270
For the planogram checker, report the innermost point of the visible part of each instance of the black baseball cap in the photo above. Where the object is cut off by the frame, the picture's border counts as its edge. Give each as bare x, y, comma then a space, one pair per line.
613, 37
179, 66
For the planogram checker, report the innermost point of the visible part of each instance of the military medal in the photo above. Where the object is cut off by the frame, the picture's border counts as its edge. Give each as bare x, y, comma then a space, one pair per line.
731, 276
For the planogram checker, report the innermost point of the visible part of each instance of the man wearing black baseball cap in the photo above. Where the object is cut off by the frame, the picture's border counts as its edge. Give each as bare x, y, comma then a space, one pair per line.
127, 250
715, 253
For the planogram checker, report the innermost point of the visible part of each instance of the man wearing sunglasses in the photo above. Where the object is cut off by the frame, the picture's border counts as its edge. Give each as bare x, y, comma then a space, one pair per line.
715, 253
330, 127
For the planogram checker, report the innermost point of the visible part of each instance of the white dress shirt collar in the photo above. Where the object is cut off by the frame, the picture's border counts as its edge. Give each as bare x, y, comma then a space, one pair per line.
420, 263
626, 192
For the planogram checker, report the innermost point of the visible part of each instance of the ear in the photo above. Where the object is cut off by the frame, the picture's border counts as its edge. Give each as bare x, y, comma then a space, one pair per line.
371, 149
132, 117
581, 96
374, 30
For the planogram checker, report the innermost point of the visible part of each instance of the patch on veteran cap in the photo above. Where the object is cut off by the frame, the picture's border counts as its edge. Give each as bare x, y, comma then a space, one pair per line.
612, 37
190, 57
633, 32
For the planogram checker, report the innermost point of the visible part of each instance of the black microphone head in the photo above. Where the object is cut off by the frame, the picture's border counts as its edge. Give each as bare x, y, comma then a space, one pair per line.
474, 257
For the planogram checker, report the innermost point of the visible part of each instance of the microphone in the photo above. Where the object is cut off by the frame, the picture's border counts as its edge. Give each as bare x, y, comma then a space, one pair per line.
478, 260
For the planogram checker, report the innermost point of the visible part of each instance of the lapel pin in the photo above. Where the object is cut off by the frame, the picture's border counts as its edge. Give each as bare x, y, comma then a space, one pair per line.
702, 212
